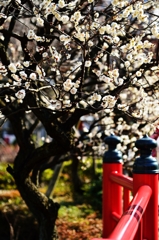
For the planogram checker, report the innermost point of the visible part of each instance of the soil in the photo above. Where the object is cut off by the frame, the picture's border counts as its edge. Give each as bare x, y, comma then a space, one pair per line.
18, 224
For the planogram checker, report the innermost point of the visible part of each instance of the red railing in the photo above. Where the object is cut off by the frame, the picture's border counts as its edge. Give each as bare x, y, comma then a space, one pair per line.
125, 218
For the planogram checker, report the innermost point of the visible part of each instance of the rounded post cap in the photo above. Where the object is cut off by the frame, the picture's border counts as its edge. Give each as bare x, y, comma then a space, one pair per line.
146, 164
112, 155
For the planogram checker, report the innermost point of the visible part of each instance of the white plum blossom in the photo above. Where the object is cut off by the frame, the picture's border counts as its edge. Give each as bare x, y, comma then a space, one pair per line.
73, 90
76, 17
108, 101
75, 49
12, 67
61, 3
138, 73
33, 76
90, 43
26, 64
68, 84
88, 63
31, 34
20, 94
102, 30
23, 75
40, 21
116, 39
45, 54
114, 73
123, 107
64, 19
127, 64
58, 105
105, 79
96, 97
16, 77
65, 38
27, 85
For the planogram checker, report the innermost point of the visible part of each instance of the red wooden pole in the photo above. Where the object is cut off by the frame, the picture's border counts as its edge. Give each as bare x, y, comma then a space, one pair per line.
145, 172
112, 198
112, 192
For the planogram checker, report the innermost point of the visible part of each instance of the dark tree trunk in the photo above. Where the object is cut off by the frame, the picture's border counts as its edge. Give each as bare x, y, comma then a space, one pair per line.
76, 181
43, 208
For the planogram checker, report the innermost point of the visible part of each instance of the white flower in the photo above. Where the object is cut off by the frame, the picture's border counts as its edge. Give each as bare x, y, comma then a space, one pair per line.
138, 73
39, 38
127, 64
120, 81
129, 56
61, 4
6, 98
58, 105
12, 67
40, 22
76, 17
102, 30
45, 54
88, 63
114, 73
16, 77
33, 76
90, 43
147, 44
73, 90
109, 101
31, 34
18, 1
26, 63
116, 39
96, 97
27, 85
57, 16
19, 65
23, 75
104, 79
68, 84
65, 19
20, 94
17, 83
52, 7
3, 16
64, 38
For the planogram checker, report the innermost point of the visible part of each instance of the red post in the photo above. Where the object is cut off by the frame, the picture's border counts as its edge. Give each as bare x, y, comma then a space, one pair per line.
126, 198
145, 172
112, 192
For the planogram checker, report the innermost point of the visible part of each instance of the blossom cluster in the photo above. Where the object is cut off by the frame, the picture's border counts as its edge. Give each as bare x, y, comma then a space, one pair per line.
70, 52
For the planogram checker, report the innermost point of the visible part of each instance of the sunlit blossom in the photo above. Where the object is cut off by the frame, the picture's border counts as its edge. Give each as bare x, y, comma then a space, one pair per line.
12, 67
31, 34
88, 63
20, 94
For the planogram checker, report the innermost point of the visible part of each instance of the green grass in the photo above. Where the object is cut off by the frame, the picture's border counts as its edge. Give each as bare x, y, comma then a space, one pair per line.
6, 180
70, 207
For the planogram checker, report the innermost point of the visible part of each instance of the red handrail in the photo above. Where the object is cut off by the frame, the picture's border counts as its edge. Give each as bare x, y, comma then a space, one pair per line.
129, 222
122, 180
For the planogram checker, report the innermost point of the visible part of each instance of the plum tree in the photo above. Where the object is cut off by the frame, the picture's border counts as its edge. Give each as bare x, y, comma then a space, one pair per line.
61, 60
